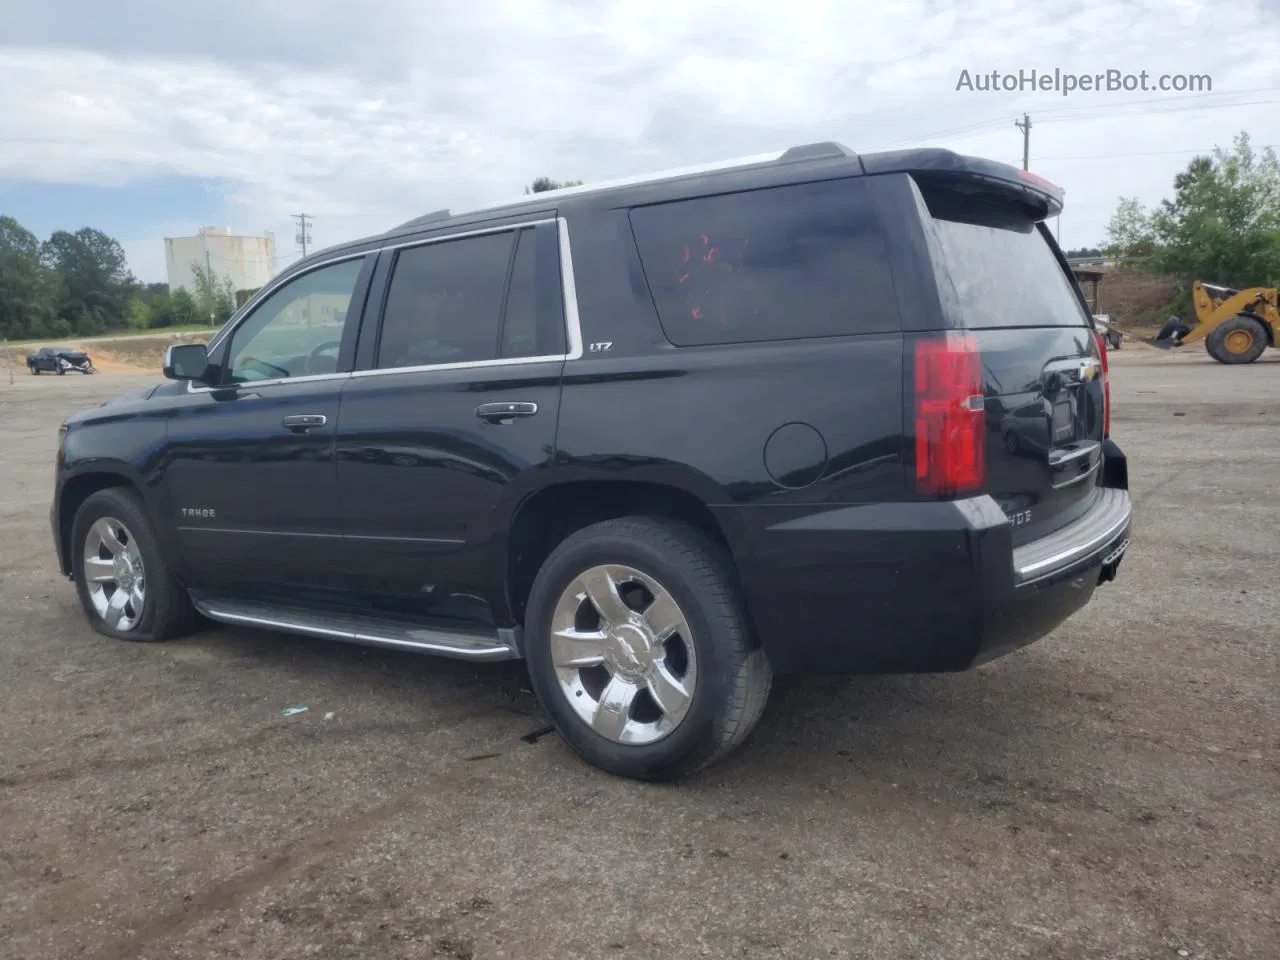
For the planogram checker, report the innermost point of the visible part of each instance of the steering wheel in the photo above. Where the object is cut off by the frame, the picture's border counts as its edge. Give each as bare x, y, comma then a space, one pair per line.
315, 354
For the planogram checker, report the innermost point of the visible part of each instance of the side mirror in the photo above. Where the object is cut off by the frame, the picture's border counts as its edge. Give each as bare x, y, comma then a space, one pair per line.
186, 361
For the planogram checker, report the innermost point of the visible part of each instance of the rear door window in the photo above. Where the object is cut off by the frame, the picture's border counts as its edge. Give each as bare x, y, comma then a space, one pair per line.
995, 268
480, 298
806, 260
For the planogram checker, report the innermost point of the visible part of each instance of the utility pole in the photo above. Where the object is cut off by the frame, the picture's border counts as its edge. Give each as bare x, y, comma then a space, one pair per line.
208, 276
1025, 126
303, 236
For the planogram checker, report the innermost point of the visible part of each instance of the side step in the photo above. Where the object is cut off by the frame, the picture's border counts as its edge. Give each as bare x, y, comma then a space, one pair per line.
359, 628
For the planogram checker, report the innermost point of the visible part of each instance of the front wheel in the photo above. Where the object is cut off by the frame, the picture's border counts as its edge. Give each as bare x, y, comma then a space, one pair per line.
639, 648
124, 584
1238, 340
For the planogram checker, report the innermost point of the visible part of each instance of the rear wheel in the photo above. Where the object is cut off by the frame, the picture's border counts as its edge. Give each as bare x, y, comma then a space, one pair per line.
638, 648
122, 579
1238, 340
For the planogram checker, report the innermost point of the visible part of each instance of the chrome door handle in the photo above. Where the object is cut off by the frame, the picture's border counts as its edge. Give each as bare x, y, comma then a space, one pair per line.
505, 411
302, 422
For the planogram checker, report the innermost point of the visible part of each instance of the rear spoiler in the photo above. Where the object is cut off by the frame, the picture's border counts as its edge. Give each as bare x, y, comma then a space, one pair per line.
1040, 197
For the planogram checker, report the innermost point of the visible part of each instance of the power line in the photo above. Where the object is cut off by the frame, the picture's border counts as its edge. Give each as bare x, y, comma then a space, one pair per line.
1094, 111
1055, 111
1152, 153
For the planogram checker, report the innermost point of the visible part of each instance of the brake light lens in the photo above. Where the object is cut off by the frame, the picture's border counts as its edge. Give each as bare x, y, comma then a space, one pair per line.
950, 416
1106, 383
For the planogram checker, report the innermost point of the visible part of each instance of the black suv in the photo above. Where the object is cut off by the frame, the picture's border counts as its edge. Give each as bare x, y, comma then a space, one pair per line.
660, 438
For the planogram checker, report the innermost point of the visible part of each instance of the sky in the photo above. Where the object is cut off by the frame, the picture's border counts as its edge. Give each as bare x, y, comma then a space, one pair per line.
148, 119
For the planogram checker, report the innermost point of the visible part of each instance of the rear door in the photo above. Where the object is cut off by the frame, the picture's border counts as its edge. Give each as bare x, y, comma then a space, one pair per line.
1001, 281
452, 420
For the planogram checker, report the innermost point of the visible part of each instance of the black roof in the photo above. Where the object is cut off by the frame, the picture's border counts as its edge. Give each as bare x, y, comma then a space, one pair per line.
821, 160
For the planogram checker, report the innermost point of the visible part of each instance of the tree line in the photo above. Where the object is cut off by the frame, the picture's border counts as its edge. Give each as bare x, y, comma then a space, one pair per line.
1221, 226
79, 284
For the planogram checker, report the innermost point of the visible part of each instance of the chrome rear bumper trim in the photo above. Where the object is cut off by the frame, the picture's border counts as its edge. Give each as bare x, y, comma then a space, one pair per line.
1106, 519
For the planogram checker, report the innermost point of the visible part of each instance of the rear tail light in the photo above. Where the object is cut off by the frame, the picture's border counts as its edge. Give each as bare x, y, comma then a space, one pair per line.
1106, 383
950, 419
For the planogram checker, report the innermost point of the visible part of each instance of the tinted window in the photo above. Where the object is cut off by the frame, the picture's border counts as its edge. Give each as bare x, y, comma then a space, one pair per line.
783, 263
445, 302
995, 268
298, 329
520, 328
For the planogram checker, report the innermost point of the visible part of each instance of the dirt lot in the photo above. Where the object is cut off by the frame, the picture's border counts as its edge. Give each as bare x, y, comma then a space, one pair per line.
1112, 791
118, 354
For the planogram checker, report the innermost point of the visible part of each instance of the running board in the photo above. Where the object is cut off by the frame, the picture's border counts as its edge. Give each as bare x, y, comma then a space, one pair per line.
501, 644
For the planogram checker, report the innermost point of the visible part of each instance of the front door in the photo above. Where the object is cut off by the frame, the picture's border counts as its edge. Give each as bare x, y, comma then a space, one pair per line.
453, 422
249, 460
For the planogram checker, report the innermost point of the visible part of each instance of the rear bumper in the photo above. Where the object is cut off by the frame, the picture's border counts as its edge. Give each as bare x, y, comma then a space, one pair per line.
920, 587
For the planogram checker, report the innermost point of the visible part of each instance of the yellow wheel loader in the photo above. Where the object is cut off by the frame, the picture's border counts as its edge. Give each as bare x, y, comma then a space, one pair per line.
1235, 325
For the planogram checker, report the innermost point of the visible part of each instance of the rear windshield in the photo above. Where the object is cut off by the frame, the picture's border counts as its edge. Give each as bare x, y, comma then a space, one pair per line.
994, 267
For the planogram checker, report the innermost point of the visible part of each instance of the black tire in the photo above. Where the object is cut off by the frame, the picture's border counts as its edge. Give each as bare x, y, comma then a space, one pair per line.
733, 677
1238, 340
167, 611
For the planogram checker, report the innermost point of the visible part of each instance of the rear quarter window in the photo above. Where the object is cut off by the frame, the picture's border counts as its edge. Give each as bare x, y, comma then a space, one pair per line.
782, 263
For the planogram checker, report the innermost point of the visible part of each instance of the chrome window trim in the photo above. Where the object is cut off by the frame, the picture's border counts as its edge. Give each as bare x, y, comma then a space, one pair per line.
255, 384
461, 365
478, 232
568, 288
569, 292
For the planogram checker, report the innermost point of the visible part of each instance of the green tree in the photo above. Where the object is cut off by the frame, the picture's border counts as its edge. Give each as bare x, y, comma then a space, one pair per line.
183, 311
1222, 225
94, 283
26, 286
147, 293
160, 310
543, 184
137, 314
1129, 230
215, 294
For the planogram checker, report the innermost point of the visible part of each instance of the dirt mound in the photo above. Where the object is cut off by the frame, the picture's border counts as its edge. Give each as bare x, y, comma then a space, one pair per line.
134, 354
1139, 302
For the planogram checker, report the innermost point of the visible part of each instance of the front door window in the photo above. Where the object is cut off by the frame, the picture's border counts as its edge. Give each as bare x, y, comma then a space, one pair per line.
297, 330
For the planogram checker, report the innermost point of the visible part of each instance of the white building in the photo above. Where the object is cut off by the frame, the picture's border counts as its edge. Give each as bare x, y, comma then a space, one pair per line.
249, 261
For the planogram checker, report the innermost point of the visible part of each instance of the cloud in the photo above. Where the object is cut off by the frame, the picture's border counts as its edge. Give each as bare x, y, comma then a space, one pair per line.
368, 116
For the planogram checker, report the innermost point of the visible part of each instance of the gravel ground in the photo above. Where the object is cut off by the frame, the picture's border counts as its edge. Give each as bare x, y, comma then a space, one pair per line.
1110, 791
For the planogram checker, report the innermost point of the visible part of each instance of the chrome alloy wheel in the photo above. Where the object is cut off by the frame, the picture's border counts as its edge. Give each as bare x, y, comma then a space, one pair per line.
623, 653
114, 575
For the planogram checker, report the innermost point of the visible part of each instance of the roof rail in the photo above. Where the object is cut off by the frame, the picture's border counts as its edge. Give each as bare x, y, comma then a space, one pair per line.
426, 218
822, 150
